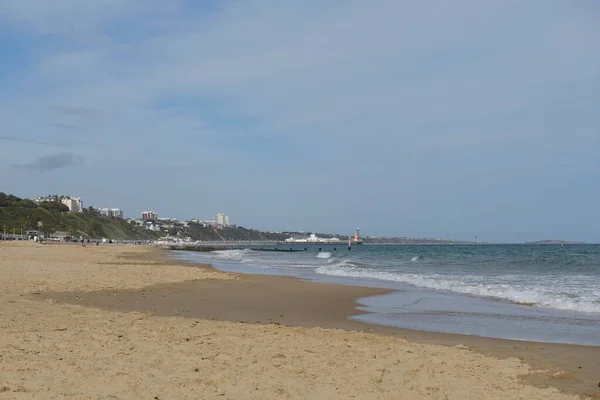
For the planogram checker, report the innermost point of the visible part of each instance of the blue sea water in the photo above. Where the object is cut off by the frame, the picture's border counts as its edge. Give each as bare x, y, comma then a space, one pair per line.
468, 289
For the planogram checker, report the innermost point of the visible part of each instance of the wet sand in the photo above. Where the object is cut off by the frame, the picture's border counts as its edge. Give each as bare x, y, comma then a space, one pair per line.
126, 322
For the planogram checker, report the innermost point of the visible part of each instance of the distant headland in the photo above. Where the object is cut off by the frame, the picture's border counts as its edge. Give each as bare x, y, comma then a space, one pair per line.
552, 241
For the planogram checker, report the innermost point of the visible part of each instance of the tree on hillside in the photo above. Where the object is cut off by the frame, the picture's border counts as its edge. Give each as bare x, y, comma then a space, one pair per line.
96, 230
54, 206
26, 203
91, 210
8, 200
3, 200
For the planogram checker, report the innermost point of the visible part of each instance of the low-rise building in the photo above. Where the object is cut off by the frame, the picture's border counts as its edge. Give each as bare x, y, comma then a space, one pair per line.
153, 227
168, 223
168, 220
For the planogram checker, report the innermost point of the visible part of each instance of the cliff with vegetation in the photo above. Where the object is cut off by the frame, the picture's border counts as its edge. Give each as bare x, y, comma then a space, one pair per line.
407, 240
21, 215
554, 241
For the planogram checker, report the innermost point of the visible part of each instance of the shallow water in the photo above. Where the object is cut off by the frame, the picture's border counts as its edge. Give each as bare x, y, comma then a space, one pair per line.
453, 288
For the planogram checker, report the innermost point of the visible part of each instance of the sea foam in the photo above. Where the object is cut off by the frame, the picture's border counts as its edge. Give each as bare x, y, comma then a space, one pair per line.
235, 255
469, 285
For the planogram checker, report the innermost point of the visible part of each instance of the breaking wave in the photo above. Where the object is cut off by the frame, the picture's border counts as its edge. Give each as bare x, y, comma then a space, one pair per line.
234, 255
473, 285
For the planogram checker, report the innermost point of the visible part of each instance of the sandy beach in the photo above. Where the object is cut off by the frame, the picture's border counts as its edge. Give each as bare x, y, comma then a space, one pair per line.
125, 322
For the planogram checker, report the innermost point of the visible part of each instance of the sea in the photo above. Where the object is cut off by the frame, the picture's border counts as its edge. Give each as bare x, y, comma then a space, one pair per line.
544, 293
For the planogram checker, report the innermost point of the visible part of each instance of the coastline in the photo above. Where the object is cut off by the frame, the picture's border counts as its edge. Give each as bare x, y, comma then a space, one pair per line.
269, 303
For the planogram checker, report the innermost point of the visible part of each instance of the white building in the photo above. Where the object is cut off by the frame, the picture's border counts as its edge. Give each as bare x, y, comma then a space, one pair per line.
222, 219
73, 203
111, 212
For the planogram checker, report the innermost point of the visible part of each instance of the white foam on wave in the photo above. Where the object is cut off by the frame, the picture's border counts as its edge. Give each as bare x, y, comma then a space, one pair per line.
235, 255
415, 258
324, 254
337, 264
542, 296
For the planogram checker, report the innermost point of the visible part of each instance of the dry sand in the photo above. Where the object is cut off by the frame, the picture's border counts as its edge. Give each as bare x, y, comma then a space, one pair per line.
51, 349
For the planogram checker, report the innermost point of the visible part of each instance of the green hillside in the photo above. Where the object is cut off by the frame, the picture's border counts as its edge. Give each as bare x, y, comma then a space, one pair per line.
18, 215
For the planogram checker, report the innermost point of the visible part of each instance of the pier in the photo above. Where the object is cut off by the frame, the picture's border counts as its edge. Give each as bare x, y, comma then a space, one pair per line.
257, 245
217, 245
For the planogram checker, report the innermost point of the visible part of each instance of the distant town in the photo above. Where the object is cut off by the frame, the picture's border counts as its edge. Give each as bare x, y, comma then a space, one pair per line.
172, 230
148, 219
65, 218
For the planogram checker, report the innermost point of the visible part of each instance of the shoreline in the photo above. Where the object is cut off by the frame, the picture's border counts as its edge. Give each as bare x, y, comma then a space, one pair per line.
294, 302
129, 322
503, 319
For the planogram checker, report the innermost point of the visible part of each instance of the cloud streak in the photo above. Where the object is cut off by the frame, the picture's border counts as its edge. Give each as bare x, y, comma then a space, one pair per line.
56, 142
22, 140
69, 127
51, 162
78, 111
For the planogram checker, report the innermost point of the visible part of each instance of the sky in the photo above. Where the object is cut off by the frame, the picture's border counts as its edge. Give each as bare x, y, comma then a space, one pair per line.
437, 118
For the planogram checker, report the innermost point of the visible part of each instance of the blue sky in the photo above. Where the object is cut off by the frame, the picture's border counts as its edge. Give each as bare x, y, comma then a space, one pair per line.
428, 119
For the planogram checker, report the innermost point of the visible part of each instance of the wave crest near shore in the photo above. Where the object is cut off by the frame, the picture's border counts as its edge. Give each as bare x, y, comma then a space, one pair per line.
514, 293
